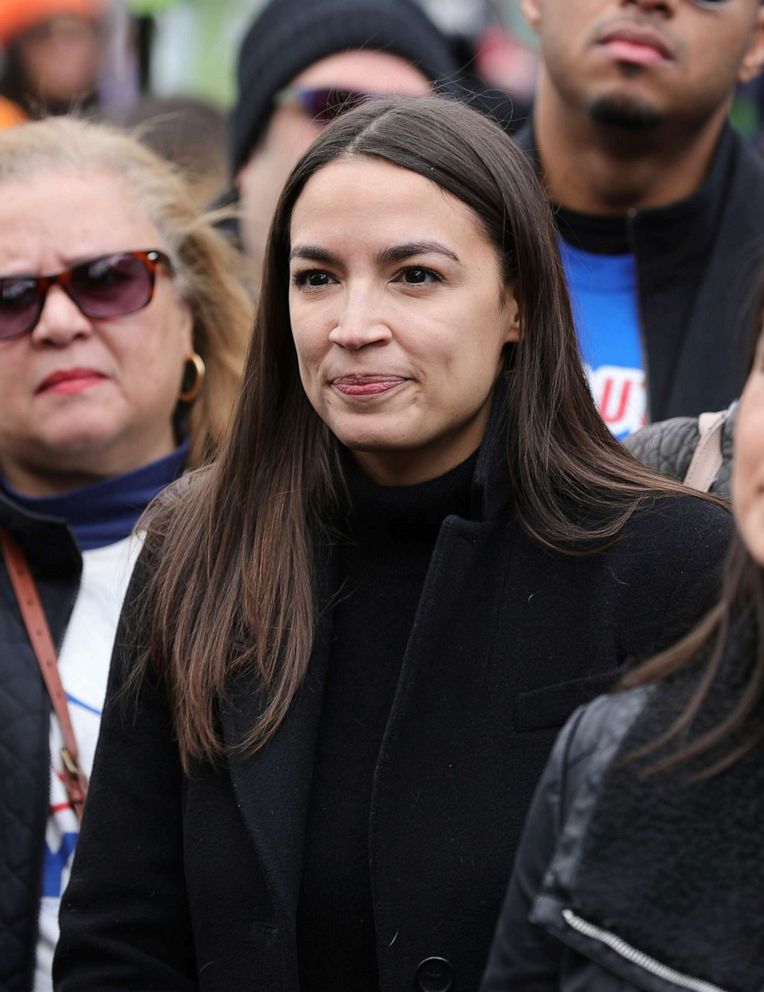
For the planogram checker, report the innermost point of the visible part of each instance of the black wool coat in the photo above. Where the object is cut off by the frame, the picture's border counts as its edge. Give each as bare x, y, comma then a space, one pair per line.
192, 881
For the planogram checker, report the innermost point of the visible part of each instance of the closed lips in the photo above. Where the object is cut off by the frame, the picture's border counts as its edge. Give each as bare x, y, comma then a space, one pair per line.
63, 377
367, 385
363, 379
634, 35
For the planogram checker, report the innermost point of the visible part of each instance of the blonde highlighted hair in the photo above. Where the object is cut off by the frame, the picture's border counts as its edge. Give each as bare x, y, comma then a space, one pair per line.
207, 267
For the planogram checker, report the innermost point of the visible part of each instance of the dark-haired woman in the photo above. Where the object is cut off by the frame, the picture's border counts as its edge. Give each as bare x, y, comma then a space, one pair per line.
641, 865
351, 641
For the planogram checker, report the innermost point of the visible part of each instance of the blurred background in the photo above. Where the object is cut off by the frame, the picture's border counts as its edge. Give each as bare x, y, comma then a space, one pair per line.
168, 66
172, 48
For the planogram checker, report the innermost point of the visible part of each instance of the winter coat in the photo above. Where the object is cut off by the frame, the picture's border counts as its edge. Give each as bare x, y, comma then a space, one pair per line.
669, 445
698, 362
56, 564
191, 881
626, 881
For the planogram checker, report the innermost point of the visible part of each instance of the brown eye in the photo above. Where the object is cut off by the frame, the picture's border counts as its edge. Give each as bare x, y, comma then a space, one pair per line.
312, 279
419, 276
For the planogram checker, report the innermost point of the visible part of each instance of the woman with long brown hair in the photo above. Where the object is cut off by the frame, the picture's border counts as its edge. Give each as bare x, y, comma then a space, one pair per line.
350, 642
641, 865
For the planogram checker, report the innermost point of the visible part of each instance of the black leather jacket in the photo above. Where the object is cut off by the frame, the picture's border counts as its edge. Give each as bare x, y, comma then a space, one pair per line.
56, 564
630, 882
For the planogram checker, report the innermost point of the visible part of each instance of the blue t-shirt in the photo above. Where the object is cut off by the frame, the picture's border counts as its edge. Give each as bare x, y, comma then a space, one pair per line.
603, 290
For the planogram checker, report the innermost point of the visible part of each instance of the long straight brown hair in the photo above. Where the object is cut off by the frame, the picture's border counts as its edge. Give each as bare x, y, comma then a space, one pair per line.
233, 583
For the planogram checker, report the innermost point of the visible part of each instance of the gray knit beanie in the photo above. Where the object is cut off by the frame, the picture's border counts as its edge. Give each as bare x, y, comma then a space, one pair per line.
290, 35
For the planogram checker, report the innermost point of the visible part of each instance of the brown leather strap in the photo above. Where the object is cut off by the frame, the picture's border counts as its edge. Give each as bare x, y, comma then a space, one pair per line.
35, 621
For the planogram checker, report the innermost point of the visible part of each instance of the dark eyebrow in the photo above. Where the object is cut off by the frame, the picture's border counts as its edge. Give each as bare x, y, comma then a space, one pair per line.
399, 253
314, 253
396, 253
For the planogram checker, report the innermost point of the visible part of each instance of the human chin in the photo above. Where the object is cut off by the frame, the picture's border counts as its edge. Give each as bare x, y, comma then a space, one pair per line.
371, 433
624, 111
78, 429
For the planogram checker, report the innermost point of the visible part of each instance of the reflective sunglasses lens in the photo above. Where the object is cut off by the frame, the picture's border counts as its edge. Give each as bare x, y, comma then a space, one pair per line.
111, 286
325, 105
19, 306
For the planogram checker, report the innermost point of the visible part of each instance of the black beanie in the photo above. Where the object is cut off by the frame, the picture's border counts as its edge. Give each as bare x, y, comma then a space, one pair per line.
290, 35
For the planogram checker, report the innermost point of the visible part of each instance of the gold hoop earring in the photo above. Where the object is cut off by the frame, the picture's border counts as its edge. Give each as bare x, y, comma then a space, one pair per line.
196, 362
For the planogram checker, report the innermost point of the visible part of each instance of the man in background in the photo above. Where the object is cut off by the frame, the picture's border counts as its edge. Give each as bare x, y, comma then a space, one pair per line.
300, 64
660, 204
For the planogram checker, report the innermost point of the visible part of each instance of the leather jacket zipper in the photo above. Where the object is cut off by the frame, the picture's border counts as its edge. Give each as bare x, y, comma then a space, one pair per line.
638, 958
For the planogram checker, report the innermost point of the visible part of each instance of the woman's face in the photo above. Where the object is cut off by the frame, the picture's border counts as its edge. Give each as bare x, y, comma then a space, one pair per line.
748, 465
399, 315
83, 398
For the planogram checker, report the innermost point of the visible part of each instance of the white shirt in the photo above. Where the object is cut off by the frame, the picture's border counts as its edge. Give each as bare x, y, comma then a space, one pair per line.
84, 667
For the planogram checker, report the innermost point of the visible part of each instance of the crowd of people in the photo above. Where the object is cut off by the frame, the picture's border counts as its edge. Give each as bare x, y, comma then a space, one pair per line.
382, 576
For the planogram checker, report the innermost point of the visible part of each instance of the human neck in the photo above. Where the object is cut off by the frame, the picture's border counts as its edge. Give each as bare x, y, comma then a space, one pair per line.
34, 484
595, 169
410, 468
35, 478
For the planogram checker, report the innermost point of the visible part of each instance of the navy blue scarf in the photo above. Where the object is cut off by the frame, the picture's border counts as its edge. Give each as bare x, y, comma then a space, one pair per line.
107, 511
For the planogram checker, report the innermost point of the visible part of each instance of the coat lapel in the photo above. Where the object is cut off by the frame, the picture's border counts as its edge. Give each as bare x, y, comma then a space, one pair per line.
272, 786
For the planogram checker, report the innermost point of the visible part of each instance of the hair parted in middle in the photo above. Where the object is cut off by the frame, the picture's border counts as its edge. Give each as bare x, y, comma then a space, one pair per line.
234, 586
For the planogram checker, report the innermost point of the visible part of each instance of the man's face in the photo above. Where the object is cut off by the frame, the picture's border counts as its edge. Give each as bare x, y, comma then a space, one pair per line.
290, 131
636, 63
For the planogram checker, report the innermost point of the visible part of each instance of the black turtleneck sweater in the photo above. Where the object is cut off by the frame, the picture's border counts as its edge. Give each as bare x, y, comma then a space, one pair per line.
390, 536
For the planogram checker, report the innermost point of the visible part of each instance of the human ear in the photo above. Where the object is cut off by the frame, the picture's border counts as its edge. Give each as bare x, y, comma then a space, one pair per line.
753, 60
532, 13
512, 312
184, 319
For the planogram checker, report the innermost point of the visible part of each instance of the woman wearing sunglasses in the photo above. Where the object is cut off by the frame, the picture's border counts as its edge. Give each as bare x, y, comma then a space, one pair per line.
349, 644
121, 338
640, 866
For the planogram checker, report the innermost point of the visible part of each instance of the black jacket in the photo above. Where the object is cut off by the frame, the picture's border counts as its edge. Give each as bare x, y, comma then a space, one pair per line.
192, 881
625, 882
56, 564
698, 264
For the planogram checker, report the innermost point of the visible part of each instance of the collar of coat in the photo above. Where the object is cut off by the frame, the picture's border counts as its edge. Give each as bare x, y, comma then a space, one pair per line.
678, 232
47, 541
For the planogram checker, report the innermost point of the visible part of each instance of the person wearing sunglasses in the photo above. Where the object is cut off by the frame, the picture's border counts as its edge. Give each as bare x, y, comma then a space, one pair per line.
122, 331
660, 202
300, 65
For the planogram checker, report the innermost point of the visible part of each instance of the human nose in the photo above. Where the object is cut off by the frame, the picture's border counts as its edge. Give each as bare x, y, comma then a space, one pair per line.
60, 320
359, 322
